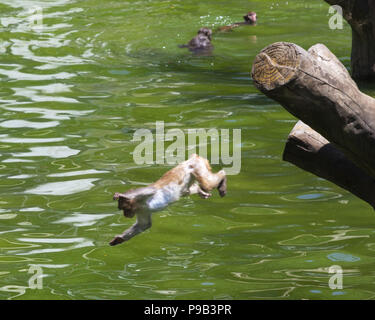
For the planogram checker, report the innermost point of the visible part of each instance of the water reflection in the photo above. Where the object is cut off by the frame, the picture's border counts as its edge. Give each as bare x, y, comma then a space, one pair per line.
337, 256
33, 94
321, 196
80, 244
52, 152
63, 188
50, 114
28, 124
15, 74
82, 220
77, 173
6, 138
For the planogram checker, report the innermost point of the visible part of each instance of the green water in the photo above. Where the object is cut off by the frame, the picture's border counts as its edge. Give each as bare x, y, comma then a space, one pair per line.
72, 95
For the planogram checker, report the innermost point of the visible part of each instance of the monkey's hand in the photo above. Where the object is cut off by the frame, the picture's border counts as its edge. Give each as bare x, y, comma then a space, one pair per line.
116, 240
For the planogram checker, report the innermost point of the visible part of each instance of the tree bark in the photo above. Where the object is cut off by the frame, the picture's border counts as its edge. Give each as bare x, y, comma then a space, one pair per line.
311, 152
316, 88
360, 14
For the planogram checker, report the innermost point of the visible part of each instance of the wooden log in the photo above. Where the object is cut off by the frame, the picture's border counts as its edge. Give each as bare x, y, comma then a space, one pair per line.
316, 88
360, 14
311, 152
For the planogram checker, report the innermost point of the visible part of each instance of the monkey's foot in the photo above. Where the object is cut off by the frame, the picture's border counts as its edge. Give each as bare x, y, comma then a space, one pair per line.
204, 194
116, 240
223, 187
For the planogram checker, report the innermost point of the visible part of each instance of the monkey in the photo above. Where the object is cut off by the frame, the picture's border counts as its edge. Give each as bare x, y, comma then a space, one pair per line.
193, 176
201, 42
250, 19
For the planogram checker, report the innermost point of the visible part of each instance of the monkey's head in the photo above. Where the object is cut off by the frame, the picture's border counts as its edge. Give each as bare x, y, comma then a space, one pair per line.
133, 201
127, 205
251, 17
205, 31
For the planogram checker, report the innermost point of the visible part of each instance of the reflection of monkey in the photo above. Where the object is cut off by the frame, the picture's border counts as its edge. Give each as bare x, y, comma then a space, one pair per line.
189, 177
201, 42
250, 19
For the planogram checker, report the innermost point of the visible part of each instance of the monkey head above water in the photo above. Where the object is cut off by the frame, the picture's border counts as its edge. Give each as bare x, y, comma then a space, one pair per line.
205, 32
193, 176
250, 19
201, 42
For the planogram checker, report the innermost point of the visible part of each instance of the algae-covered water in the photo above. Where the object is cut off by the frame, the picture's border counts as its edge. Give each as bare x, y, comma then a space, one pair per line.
73, 92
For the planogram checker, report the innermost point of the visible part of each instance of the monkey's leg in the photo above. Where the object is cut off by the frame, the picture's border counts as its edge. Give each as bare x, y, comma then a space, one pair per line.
208, 180
195, 188
143, 223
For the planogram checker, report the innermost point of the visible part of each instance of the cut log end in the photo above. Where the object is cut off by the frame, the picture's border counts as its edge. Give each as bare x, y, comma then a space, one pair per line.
275, 65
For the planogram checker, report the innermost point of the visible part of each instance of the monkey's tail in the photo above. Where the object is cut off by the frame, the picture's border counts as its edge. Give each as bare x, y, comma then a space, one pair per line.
183, 46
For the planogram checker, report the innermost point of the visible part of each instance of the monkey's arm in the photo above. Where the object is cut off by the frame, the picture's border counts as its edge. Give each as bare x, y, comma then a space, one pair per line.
143, 223
229, 27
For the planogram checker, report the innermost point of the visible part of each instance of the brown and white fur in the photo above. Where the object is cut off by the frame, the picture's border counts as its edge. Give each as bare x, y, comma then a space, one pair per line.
189, 177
